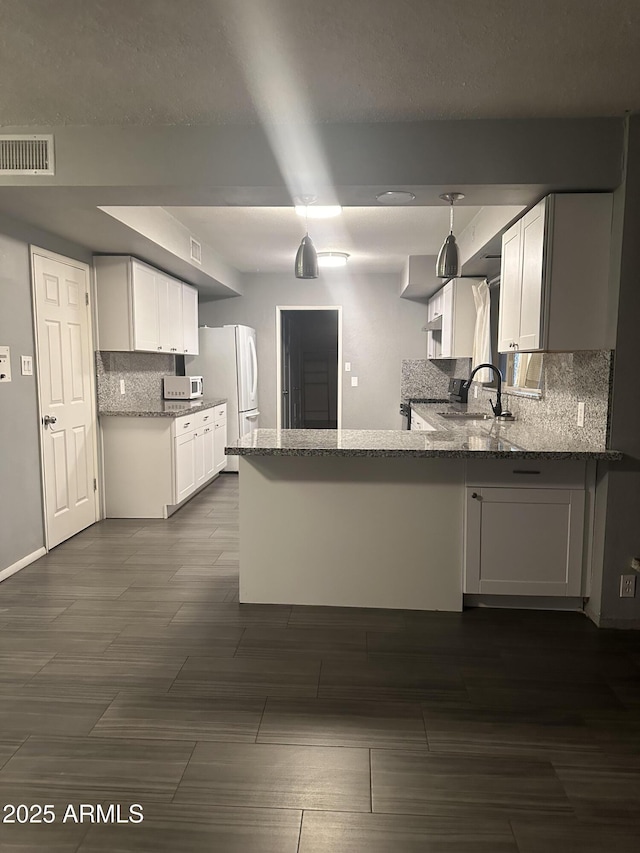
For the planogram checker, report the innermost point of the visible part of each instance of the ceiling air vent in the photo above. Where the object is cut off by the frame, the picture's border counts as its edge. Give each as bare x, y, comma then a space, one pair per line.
26, 155
196, 251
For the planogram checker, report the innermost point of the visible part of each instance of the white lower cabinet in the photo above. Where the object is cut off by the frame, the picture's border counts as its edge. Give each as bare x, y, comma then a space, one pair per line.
185, 465
152, 464
219, 444
523, 540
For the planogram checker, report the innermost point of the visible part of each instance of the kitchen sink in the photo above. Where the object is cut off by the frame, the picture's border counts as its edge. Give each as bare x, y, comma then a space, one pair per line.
466, 416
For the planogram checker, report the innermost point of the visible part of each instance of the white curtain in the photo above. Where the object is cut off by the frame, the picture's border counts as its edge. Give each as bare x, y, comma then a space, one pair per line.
482, 337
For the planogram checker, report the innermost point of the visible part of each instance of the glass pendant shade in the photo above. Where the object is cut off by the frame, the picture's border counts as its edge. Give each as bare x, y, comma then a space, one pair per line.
448, 263
306, 259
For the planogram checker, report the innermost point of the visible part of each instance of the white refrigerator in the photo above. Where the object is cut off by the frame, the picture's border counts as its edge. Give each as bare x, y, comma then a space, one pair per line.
228, 364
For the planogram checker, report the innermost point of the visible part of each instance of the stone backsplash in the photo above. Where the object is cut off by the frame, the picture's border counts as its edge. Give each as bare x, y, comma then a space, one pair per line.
142, 374
422, 378
568, 378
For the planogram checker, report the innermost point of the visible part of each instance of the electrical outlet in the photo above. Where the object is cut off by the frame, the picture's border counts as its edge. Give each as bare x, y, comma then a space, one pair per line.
122, 391
347, 366
627, 586
354, 381
580, 417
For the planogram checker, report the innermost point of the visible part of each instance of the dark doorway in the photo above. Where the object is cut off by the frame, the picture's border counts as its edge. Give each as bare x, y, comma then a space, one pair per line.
309, 379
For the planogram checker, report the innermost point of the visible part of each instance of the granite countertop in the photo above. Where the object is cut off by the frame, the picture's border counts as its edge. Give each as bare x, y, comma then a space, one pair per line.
461, 439
162, 409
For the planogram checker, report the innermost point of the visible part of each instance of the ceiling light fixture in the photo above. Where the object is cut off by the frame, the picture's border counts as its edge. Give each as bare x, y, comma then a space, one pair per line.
448, 263
396, 197
332, 259
306, 265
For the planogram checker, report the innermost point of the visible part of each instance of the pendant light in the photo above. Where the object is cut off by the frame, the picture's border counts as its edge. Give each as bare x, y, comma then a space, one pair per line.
448, 263
306, 259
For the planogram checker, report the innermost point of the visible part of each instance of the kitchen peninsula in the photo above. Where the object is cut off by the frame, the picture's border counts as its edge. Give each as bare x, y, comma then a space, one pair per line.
367, 518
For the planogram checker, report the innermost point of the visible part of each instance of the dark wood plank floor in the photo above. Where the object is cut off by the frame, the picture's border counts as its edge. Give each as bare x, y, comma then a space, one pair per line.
129, 673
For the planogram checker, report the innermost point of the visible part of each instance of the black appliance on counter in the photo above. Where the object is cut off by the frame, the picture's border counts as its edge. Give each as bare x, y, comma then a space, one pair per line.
405, 408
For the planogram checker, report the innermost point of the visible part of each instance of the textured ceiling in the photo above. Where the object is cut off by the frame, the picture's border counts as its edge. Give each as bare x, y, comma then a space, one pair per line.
265, 239
220, 61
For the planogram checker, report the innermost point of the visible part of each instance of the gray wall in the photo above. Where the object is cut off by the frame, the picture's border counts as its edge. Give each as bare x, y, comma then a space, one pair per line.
622, 533
378, 331
21, 517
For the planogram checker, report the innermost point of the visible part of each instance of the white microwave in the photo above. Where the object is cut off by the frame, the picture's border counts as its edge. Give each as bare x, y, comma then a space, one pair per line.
182, 387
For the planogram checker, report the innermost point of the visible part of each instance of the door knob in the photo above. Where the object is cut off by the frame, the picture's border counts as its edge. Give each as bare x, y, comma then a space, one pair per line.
49, 420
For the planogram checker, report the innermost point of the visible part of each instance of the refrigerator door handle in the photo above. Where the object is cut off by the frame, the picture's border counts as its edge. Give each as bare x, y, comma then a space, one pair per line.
254, 367
252, 417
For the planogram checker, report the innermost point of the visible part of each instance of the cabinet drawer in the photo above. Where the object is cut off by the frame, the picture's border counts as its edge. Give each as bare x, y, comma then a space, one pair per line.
532, 473
220, 414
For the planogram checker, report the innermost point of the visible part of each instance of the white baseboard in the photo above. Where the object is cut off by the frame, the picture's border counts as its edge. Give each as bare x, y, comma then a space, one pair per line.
25, 561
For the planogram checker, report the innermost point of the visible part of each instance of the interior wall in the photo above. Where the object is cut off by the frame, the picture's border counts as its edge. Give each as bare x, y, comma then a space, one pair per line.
622, 533
21, 501
378, 330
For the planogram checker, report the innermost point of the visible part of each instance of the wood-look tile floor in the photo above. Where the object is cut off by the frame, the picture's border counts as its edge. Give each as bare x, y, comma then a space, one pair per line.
130, 673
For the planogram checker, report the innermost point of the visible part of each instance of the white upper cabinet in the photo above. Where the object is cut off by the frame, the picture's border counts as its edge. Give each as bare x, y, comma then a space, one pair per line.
142, 309
145, 310
554, 288
190, 320
451, 320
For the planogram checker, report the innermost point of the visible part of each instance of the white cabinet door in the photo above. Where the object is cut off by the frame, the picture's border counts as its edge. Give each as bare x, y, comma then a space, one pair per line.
524, 541
199, 454
190, 319
510, 289
532, 278
185, 462
446, 335
219, 444
209, 452
170, 314
146, 322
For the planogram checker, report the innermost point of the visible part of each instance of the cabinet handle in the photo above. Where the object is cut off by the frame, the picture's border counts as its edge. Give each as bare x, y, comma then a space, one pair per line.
188, 423
523, 471
475, 496
159, 348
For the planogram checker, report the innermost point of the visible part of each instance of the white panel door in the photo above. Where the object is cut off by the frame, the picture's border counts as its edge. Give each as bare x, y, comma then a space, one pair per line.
510, 289
532, 249
144, 295
65, 367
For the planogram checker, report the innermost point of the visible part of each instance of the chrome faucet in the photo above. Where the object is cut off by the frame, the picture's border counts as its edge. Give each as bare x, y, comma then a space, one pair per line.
464, 389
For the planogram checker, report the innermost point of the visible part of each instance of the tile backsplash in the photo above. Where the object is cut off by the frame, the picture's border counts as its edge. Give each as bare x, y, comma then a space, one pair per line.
568, 378
142, 374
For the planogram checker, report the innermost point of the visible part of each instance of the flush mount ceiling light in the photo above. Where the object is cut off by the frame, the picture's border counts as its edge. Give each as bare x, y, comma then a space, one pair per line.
396, 197
332, 259
306, 265
448, 263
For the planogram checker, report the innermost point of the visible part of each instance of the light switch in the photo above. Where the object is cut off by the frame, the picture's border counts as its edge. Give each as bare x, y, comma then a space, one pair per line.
347, 366
26, 363
354, 381
5, 364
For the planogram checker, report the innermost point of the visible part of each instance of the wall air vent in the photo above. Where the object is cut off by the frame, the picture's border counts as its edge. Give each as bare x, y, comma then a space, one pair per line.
26, 155
196, 251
